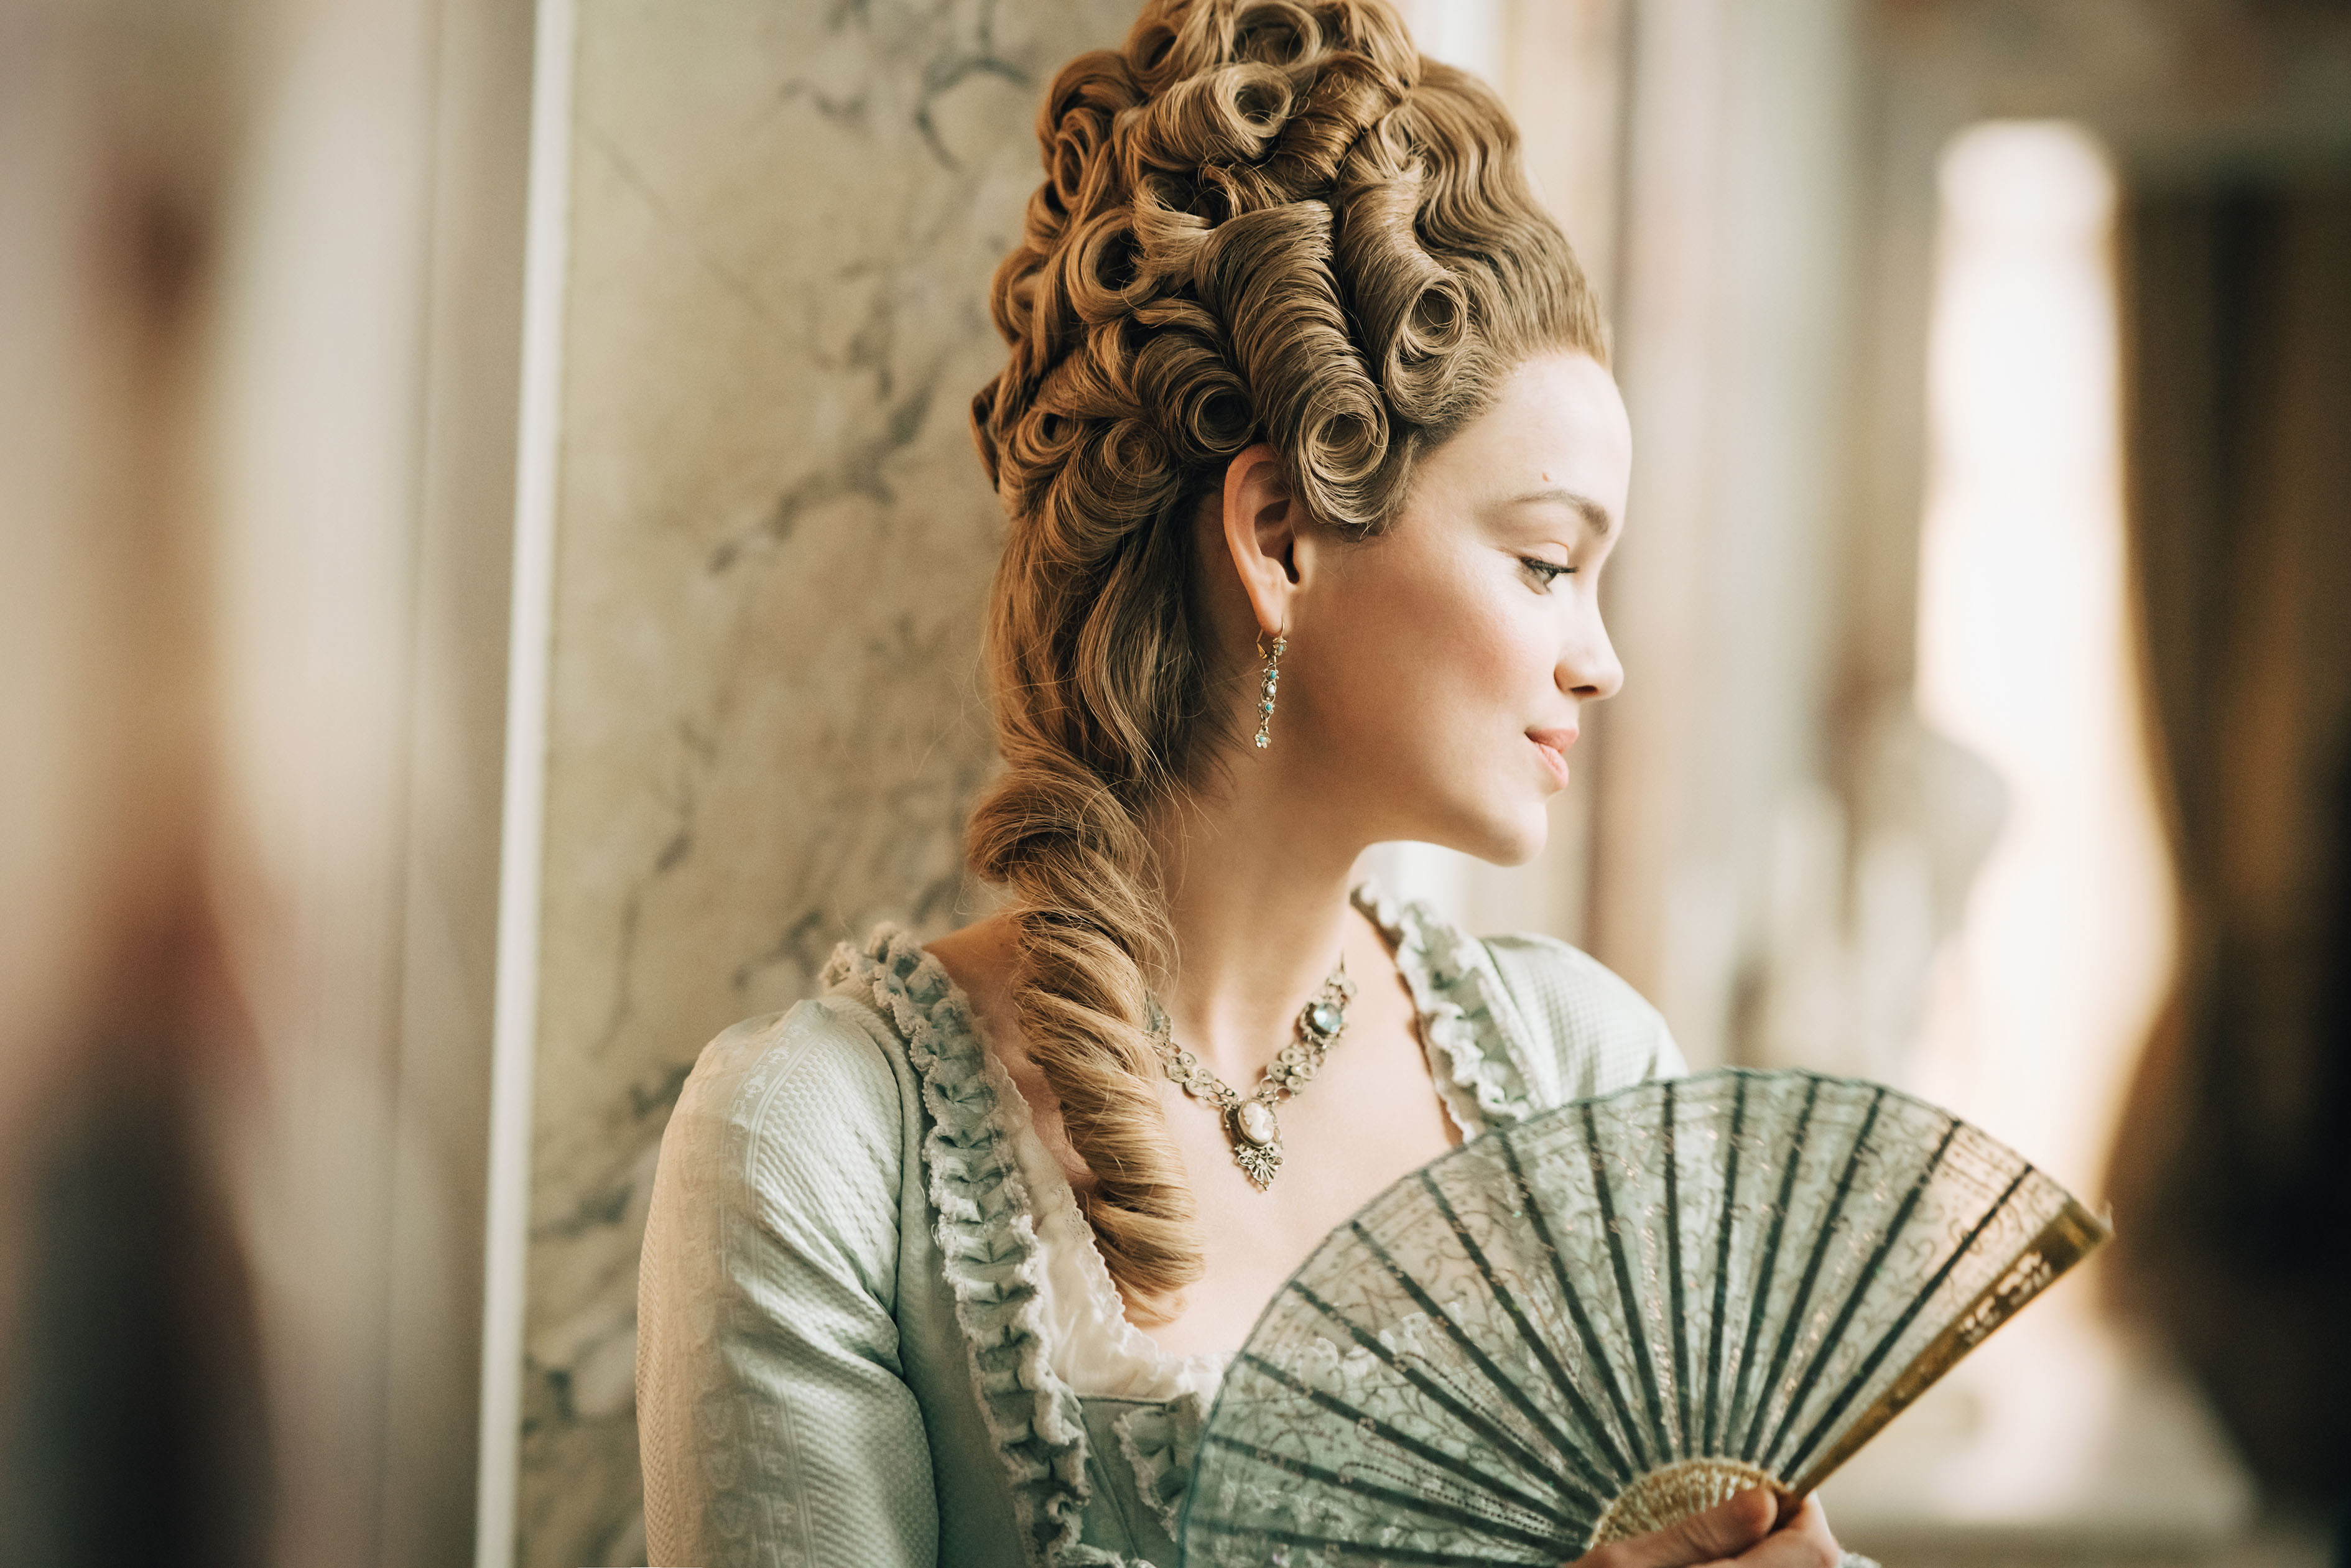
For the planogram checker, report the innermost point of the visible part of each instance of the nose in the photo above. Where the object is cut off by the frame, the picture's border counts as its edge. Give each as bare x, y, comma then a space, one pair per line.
1588, 668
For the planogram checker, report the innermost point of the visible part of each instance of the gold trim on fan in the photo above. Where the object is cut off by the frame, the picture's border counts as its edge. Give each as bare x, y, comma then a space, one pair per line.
1666, 1495
2065, 1241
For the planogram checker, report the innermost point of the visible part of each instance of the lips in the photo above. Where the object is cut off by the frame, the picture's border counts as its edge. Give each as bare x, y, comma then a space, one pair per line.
1551, 745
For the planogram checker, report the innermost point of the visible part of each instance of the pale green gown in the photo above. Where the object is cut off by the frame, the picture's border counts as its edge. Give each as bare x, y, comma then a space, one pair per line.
873, 1329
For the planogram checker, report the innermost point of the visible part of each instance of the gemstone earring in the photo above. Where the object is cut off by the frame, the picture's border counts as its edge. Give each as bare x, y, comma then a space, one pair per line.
1272, 673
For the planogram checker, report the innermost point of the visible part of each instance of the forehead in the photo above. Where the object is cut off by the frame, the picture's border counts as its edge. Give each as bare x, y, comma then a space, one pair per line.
1556, 425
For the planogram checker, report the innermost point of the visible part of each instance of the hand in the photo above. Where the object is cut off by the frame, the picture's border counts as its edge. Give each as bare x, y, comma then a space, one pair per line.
1746, 1530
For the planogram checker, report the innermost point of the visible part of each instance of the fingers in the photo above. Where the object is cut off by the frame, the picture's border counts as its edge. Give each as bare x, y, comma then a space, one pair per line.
1802, 1540
1720, 1533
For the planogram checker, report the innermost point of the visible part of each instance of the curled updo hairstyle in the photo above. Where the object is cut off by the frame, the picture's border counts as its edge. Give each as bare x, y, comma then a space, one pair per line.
1261, 220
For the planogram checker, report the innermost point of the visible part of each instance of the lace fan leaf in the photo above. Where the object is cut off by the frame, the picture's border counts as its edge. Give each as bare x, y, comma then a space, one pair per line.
1571, 1328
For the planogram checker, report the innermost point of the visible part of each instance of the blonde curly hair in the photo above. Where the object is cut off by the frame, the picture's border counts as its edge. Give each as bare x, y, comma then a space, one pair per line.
1261, 220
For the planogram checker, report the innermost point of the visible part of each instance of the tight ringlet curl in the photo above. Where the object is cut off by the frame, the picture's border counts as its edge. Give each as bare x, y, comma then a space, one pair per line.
1261, 220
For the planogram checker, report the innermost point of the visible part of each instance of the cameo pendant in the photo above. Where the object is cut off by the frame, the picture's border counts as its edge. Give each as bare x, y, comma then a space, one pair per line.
1256, 1139
1249, 1125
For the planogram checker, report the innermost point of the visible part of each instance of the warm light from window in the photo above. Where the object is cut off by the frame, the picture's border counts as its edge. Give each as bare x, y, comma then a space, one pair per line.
2043, 999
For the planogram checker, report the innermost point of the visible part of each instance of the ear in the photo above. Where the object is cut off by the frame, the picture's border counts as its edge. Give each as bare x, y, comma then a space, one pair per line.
1261, 522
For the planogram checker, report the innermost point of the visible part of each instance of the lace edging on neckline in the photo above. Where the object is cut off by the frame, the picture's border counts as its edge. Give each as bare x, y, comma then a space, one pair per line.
1159, 1444
1454, 987
987, 1239
1126, 1363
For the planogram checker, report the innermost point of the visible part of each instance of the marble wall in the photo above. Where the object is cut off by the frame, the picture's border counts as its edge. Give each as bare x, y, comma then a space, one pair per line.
773, 544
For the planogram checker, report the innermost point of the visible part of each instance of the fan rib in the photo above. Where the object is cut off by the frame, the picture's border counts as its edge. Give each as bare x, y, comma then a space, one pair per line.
1768, 1261
1428, 1453
1863, 1280
1582, 1319
1508, 1386
1429, 1507
1539, 1344
1795, 1321
1675, 1303
1643, 1366
1468, 1415
1723, 1260
1354, 1548
1893, 1336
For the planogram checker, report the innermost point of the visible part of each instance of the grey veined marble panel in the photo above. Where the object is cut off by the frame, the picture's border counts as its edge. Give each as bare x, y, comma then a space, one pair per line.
773, 543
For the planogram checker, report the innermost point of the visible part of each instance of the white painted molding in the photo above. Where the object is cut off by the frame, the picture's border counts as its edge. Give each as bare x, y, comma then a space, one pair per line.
522, 835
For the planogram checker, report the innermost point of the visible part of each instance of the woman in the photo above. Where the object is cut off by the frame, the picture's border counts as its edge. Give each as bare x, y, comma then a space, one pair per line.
1311, 462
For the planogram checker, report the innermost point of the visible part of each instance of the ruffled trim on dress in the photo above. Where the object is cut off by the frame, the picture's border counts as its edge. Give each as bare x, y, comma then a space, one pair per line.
1159, 1443
987, 1233
1092, 1346
1463, 1011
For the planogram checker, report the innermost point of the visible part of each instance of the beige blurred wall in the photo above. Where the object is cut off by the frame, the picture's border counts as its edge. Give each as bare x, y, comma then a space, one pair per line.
456, 738
1731, 333
363, 408
260, 294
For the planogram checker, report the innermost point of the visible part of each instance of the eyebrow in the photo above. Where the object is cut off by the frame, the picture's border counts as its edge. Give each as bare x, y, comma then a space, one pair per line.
1595, 516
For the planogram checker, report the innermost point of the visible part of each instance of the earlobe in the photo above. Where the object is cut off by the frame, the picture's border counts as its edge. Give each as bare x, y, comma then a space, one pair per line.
1260, 532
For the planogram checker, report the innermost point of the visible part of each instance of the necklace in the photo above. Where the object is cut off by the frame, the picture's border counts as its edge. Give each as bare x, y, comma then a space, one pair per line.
1250, 1123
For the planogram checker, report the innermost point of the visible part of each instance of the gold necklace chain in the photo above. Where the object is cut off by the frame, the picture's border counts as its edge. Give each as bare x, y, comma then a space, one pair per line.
1250, 1122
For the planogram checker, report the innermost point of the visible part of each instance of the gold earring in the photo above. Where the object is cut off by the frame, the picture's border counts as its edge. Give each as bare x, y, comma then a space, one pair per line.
1272, 675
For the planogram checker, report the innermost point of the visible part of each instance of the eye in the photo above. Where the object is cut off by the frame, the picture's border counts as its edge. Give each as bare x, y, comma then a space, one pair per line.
1544, 573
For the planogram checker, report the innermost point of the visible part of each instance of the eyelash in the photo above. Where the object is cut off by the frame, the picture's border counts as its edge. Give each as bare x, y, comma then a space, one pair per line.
1550, 571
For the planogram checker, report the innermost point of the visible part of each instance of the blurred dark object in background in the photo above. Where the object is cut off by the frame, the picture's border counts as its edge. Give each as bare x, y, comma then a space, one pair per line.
2232, 1177
138, 1435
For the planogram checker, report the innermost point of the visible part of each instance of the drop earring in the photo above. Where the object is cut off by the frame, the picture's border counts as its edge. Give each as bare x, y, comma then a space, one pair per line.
1272, 675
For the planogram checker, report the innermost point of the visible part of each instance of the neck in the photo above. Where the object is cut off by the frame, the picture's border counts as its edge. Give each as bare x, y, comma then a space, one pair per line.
1257, 902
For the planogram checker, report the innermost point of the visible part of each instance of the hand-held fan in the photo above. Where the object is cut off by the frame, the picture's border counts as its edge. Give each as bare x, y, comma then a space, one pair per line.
1615, 1314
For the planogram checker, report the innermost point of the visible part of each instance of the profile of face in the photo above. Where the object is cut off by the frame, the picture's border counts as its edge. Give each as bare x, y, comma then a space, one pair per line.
1437, 673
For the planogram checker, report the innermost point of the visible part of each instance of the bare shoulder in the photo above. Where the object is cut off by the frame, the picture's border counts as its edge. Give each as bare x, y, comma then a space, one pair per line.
978, 960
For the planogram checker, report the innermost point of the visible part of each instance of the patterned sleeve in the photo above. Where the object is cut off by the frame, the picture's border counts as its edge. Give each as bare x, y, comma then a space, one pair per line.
1605, 1034
775, 1424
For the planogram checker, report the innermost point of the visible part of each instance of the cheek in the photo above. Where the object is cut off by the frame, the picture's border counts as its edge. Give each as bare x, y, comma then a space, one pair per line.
1432, 656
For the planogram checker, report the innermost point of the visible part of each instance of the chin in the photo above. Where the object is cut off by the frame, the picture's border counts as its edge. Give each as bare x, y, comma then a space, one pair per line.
1520, 850
1503, 838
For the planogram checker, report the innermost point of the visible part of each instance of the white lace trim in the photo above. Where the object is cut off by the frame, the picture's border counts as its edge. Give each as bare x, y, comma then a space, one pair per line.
1473, 1035
1089, 1341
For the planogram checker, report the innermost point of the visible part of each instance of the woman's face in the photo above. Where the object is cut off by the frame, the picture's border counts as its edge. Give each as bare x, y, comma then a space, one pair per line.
1437, 675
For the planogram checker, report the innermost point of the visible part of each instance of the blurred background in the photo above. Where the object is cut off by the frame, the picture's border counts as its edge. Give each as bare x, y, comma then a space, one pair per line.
490, 574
